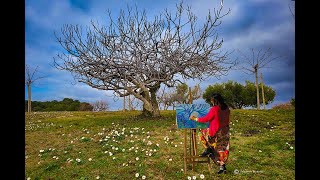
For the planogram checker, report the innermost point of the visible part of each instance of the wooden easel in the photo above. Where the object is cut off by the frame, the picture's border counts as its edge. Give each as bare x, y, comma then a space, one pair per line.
193, 158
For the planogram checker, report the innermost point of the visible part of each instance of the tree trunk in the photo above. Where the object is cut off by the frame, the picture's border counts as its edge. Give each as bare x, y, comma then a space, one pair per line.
262, 91
29, 98
150, 106
257, 87
124, 101
154, 103
129, 103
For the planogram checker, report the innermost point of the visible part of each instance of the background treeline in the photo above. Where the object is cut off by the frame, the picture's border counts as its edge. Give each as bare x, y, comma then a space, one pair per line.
239, 96
67, 104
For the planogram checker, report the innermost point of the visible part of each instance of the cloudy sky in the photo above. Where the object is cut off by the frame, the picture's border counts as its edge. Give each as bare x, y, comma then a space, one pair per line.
257, 24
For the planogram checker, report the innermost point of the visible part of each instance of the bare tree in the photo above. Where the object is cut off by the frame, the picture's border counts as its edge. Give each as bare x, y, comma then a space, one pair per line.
292, 8
166, 97
256, 62
180, 95
100, 105
30, 78
134, 103
135, 55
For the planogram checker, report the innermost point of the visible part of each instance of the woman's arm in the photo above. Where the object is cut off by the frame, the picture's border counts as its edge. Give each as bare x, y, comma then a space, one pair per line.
208, 117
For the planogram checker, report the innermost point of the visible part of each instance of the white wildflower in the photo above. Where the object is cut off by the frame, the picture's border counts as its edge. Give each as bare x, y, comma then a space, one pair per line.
137, 174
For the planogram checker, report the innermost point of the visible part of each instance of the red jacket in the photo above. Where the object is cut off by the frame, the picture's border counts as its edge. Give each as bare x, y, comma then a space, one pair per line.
218, 118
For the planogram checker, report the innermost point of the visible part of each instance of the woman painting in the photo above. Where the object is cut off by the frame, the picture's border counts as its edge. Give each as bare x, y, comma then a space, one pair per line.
216, 138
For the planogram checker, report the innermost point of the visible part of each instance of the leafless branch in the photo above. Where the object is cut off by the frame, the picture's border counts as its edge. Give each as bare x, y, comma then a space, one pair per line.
30, 75
292, 9
137, 54
256, 61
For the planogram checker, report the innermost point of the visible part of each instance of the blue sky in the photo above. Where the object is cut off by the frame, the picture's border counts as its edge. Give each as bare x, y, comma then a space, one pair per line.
258, 24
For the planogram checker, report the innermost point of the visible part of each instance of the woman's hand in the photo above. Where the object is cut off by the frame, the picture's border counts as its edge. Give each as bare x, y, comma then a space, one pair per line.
193, 118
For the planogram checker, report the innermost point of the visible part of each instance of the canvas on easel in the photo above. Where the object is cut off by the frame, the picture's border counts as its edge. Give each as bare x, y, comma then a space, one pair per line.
184, 111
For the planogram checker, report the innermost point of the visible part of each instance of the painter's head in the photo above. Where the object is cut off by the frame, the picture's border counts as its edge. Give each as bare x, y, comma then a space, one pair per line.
216, 99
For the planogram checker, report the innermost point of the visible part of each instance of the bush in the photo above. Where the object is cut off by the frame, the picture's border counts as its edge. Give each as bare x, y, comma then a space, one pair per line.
293, 102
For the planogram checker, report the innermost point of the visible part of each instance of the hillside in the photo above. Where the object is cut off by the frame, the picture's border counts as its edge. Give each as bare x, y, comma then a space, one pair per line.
117, 145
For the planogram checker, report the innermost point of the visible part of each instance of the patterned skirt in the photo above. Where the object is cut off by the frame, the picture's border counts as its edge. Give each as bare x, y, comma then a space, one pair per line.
219, 143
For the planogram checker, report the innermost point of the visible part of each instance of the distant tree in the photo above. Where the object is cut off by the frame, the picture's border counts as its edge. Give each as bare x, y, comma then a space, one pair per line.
236, 95
293, 102
178, 96
255, 62
68, 104
250, 91
292, 8
232, 92
135, 54
84, 106
182, 95
30, 78
165, 97
100, 105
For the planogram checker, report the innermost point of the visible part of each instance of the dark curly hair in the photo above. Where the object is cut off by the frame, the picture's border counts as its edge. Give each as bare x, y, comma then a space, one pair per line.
218, 100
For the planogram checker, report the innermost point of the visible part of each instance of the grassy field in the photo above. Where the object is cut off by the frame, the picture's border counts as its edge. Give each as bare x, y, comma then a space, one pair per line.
118, 145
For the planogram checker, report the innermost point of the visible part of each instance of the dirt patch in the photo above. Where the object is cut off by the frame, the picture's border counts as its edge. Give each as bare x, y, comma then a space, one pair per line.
250, 132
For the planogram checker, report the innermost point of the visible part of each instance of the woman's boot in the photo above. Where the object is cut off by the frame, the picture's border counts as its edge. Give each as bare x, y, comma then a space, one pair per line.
222, 169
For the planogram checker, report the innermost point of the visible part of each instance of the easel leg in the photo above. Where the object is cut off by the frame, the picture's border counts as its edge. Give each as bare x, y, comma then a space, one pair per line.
194, 131
193, 146
185, 151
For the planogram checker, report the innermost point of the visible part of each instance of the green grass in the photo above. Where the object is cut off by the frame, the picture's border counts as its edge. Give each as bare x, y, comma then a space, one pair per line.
87, 145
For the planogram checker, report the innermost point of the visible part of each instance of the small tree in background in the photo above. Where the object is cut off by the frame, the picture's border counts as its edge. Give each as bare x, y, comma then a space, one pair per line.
293, 102
166, 97
178, 96
237, 95
251, 91
100, 105
255, 62
232, 92
30, 78
85, 107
